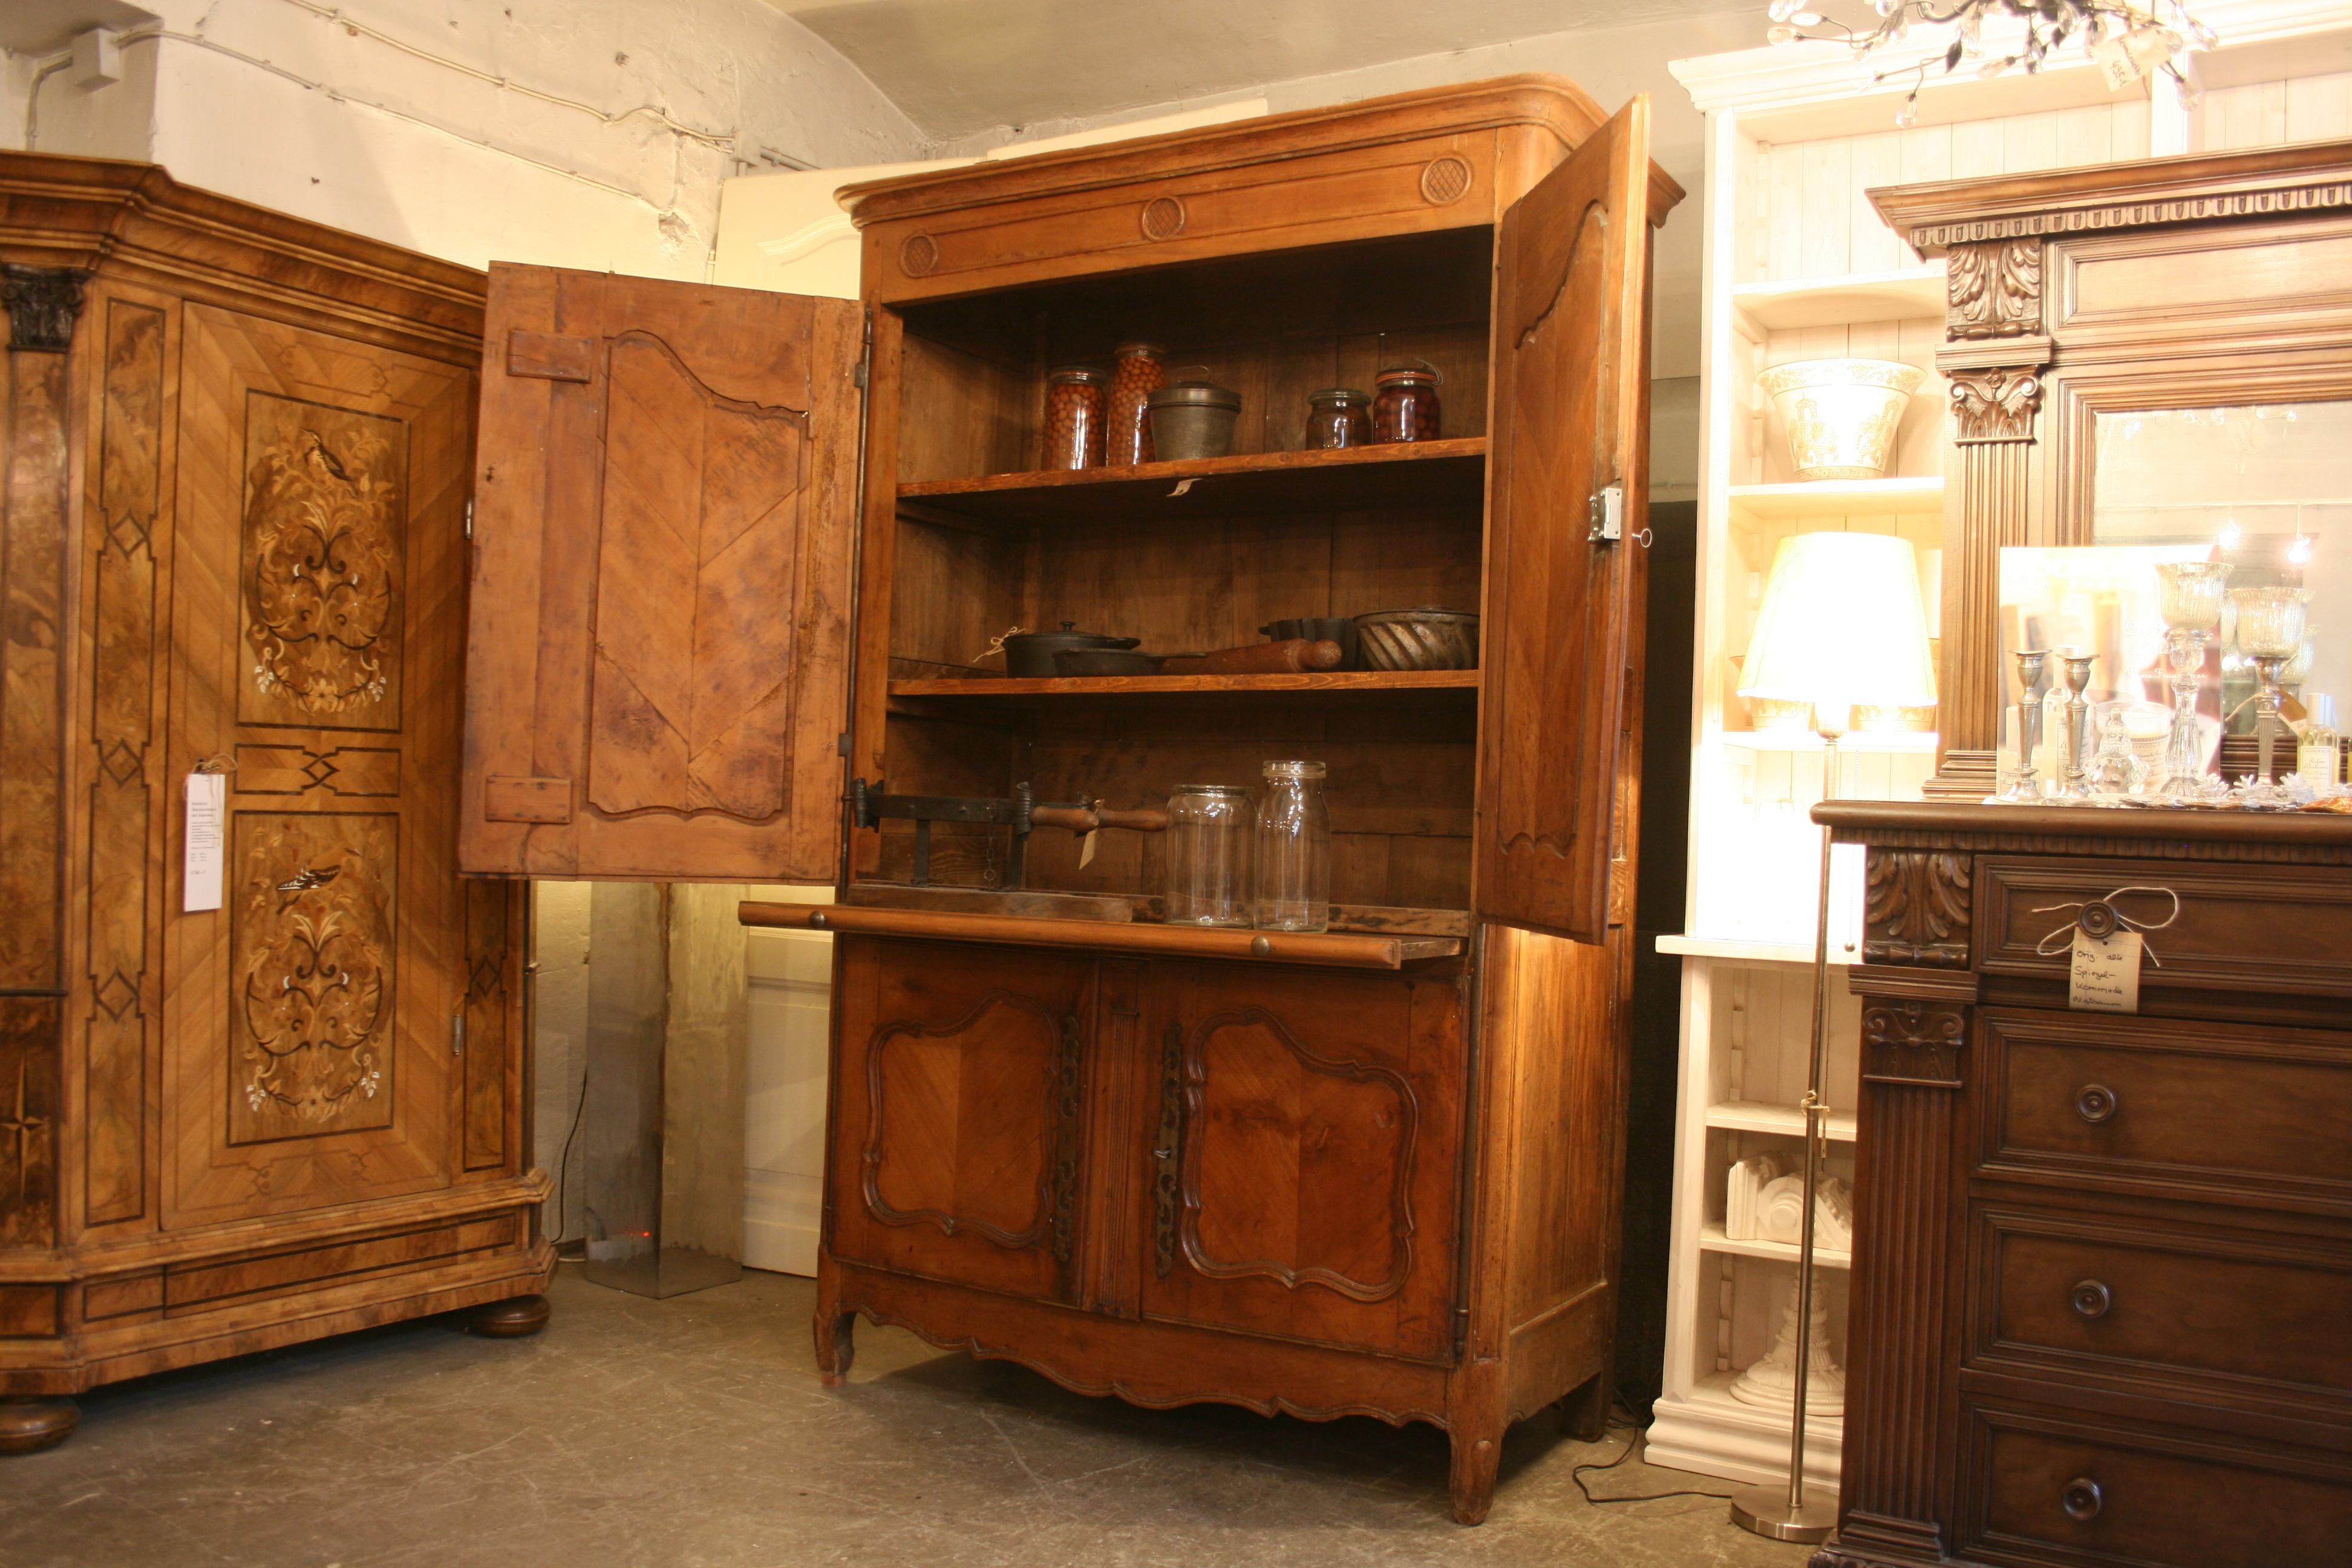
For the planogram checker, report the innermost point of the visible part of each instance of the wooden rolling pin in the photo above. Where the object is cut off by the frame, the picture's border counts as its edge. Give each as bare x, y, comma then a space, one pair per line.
1293, 656
1087, 818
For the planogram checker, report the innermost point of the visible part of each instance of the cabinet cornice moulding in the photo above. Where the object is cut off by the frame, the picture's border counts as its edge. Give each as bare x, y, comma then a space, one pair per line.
2197, 188
1540, 98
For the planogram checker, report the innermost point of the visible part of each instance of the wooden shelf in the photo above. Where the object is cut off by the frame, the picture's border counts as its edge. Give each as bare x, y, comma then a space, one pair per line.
1743, 951
1327, 683
1770, 1116
1712, 1239
1334, 950
1354, 479
1752, 504
1842, 299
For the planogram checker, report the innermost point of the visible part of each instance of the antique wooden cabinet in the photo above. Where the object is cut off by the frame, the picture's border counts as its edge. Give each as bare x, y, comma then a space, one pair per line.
735, 550
233, 521
2103, 1263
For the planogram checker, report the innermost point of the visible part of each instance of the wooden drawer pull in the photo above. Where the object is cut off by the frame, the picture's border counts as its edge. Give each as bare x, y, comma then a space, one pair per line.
2081, 1500
2094, 1102
2091, 1298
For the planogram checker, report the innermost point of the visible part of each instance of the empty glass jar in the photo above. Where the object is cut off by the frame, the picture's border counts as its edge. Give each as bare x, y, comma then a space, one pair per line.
1208, 847
1294, 850
1338, 417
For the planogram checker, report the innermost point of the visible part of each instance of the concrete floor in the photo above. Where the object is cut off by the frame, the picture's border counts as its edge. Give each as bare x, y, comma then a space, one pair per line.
693, 1433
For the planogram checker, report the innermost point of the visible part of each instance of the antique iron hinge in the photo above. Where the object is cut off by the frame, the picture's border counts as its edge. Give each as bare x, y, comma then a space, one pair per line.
1168, 1152
469, 517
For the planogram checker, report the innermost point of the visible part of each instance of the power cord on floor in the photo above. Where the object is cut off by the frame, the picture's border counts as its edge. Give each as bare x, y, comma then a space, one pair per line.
1632, 1442
563, 1160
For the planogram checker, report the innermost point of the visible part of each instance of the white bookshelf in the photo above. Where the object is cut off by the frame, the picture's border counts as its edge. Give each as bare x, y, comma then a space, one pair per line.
1797, 266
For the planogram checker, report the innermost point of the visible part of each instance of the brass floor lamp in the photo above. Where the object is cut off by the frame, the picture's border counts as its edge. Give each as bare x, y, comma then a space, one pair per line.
1843, 630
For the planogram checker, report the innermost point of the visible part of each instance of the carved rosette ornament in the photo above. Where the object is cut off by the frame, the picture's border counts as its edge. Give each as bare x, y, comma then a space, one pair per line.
1994, 405
323, 533
1915, 909
42, 304
1993, 290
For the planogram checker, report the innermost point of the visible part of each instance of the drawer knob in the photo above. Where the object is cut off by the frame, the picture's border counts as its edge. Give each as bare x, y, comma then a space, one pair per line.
2091, 1298
2081, 1500
2094, 1102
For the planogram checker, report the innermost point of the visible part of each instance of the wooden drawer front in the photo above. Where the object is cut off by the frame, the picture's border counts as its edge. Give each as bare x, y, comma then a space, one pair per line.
2169, 1107
2228, 1313
28, 1311
1405, 188
206, 1285
2052, 1490
2252, 927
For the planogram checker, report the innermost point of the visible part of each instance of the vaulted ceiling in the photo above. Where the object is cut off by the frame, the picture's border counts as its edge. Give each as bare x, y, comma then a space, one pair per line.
956, 67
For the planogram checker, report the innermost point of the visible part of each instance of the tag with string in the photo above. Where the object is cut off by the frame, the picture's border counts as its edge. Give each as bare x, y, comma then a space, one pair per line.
2104, 947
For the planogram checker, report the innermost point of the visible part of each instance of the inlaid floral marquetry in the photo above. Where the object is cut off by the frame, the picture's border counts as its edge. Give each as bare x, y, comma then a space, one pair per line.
313, 964
325, 537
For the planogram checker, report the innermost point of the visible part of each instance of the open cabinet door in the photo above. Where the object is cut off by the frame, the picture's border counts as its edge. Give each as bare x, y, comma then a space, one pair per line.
1569, 423
664, 526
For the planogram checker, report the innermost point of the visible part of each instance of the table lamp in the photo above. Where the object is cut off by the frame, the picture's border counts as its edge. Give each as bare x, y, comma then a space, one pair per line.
1842, 625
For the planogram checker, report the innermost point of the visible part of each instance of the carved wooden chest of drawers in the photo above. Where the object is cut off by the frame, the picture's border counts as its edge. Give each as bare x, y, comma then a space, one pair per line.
2103, 1263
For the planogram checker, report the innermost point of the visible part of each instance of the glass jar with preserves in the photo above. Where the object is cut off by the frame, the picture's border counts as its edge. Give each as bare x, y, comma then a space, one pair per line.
1073, 417
1404, 403
1339, 416
1293, 863
1208, 848
1137, 370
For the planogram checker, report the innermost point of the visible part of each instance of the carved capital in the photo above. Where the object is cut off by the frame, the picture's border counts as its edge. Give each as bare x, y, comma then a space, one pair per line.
1916, 909
1993, 289
1911, 1041
42, 302
1994, 405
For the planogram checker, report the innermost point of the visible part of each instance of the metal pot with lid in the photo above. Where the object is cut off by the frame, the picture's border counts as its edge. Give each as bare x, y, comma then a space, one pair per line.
1029, 656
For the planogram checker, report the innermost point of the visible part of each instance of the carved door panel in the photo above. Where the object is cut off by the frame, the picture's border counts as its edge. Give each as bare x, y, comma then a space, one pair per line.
317, 607
1571, 388
958, 1126
664, 517
1305, 1160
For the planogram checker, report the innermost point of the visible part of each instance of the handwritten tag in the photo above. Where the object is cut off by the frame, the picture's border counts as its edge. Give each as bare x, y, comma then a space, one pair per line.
2105, 975
207, 809
2116, 62
1087, 848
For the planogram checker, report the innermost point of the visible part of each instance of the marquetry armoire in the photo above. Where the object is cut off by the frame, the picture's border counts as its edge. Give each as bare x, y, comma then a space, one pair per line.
739, 560
233, 548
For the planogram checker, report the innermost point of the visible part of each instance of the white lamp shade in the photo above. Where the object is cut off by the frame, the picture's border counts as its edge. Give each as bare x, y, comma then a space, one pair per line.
1842, 625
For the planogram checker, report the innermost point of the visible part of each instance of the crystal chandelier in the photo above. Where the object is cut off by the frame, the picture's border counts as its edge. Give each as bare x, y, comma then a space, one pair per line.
2127, 38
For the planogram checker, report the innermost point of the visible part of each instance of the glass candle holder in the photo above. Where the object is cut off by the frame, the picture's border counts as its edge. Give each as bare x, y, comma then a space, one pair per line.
2270, 624
2190, 596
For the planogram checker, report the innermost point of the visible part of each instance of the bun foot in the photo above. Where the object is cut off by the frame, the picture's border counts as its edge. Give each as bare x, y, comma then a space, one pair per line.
29, 1426
509, 1320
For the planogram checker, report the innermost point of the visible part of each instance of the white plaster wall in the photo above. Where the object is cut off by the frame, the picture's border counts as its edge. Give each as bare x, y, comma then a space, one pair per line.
590, 133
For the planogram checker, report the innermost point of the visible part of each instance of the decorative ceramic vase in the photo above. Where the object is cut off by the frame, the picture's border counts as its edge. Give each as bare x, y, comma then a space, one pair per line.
1841, 413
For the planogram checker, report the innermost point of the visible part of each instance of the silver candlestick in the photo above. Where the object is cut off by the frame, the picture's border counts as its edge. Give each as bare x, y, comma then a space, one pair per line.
2025, 789
2078, 725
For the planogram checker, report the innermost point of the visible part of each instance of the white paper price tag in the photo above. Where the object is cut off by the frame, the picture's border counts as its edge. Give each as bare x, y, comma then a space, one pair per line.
207, 809
2104, 975
2116, 62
